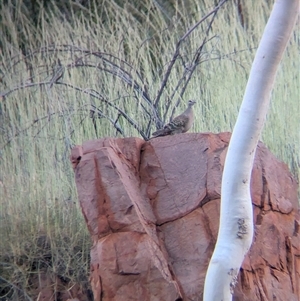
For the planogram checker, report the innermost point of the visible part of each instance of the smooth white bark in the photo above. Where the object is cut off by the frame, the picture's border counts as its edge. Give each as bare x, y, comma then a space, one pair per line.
236, 221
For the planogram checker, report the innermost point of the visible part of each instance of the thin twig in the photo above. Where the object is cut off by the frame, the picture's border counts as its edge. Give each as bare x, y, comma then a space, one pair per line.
195, 62
94, 94
57, 74
176, 53
23, 86
125, 77
98, 96
117, 121
114, 123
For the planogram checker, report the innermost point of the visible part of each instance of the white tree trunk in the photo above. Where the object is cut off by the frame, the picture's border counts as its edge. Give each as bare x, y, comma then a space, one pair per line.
236, 221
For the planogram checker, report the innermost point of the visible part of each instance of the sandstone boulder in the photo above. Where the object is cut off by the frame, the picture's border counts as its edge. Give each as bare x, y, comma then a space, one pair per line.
152, 209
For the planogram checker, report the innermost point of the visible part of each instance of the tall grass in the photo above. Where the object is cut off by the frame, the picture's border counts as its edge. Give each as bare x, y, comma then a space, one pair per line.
41, 227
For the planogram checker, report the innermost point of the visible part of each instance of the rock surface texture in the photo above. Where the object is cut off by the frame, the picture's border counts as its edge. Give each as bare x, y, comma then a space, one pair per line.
152, 209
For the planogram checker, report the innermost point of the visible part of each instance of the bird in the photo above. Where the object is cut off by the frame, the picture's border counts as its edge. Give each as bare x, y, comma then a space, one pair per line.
179, 124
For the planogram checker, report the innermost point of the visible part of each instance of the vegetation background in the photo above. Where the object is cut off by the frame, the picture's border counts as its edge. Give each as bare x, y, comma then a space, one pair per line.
77, 70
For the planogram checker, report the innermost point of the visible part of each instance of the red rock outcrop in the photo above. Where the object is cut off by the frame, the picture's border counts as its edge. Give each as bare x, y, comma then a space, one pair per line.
152, 209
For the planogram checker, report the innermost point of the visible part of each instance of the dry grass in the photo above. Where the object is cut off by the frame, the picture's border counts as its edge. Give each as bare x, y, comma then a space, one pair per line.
41, 224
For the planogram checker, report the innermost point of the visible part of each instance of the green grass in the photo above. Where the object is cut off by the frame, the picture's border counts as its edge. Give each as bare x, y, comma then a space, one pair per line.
41, 224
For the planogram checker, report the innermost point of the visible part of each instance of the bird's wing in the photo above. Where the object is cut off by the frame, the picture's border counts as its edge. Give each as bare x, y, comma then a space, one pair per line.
178, 122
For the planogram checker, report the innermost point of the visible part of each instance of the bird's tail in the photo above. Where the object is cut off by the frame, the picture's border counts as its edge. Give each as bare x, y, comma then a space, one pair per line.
161, 132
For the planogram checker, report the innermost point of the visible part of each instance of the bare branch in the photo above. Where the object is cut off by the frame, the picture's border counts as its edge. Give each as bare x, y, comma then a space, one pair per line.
94, 94
192, 67
177, 52
57, 74
114, 123
62, 114
98, 96
23, 86
204, 18
116, 70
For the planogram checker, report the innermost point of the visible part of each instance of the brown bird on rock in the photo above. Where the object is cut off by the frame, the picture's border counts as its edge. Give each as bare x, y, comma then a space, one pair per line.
179, 124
